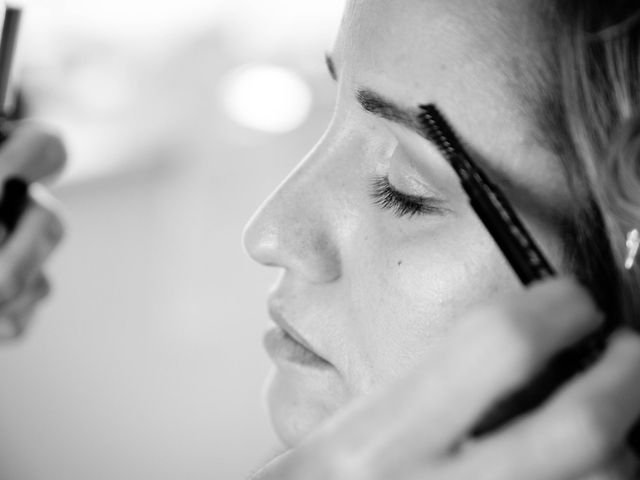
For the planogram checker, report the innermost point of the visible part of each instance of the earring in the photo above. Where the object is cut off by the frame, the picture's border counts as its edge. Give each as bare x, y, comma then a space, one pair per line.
633, 244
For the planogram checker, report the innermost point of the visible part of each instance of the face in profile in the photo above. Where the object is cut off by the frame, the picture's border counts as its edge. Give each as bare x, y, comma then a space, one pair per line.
377, 247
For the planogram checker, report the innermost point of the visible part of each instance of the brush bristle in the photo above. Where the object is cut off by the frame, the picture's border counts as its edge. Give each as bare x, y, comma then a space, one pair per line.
439, 131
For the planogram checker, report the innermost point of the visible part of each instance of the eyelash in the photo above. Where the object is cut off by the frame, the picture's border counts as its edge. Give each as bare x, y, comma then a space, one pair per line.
385, 196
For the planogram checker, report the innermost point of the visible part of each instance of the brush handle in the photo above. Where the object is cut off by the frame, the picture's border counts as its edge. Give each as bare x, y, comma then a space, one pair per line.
558, 370
8, 40
530, 265
15, 191
15, 197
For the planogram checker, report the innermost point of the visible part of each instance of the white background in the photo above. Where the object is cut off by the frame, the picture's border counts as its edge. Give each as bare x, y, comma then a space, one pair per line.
147, 362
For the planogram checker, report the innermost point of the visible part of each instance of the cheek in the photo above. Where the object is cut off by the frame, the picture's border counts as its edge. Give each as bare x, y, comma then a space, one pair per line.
413, 291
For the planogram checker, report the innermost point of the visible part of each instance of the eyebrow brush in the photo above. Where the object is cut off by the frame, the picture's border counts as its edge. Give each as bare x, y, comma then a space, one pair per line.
489, 203
527, 261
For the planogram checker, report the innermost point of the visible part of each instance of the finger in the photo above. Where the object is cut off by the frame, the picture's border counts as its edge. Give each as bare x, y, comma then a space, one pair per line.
22, 310
578, 430
508, 344
37, 290
24, 253
32, 152
492, 351
17, 315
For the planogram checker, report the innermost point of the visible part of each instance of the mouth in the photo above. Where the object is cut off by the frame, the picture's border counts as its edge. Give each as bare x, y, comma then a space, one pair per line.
286, 350
285, 345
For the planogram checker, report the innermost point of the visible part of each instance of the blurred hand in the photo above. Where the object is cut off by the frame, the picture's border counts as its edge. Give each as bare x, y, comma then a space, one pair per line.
35, 155
416, 428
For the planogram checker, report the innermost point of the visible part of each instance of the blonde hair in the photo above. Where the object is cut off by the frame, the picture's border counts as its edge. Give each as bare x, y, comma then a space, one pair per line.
596, 128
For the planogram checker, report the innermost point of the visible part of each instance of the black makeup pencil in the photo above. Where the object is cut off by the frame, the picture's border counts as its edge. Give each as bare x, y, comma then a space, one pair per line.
8, 41
15, 190
526, 259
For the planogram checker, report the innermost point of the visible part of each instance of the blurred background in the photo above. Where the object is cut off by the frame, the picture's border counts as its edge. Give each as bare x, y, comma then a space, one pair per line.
179, 117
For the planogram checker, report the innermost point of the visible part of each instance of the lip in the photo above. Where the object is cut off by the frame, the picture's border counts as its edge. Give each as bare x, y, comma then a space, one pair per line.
290, 338
285, 350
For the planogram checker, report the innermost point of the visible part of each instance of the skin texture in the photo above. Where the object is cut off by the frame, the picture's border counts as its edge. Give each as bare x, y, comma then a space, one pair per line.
411, 432
371, 292
421, 323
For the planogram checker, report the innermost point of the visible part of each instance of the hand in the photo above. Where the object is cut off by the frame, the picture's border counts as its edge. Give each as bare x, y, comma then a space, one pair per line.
35, 155
417, 428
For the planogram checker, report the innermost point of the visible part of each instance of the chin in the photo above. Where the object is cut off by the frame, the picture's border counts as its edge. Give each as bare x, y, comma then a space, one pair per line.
299, 404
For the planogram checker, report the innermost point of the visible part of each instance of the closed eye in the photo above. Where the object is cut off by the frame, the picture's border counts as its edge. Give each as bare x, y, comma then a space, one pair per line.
387, 197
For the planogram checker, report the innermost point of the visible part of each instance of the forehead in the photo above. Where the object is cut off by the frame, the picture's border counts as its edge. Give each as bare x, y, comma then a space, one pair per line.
438, 46
479, 61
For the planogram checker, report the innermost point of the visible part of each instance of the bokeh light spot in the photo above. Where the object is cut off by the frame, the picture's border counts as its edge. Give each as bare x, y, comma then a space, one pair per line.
266, 98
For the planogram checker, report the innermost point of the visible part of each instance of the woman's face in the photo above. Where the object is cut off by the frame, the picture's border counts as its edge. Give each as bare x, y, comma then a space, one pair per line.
368, 284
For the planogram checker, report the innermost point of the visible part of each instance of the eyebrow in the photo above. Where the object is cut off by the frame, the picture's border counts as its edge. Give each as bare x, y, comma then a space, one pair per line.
379, 106
376, 104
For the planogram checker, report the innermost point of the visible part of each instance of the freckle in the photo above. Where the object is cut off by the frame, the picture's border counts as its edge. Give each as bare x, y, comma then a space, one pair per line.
399, 262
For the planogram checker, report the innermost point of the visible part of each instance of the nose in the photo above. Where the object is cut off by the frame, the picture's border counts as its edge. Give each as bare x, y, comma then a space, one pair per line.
295, 228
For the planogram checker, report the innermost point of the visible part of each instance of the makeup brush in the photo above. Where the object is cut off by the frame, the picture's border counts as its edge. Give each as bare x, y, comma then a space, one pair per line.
15, 191
527, 261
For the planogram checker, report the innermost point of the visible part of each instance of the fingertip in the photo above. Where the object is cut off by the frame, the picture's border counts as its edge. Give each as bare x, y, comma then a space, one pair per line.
34, 152
53, 152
